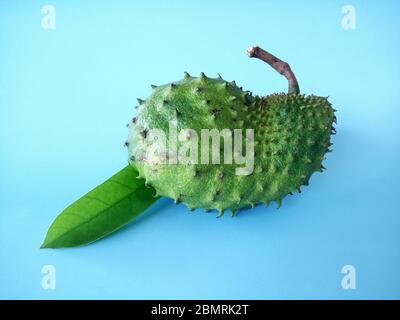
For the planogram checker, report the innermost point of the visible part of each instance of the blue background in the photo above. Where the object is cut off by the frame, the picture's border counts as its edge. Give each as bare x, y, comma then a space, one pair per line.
66, 95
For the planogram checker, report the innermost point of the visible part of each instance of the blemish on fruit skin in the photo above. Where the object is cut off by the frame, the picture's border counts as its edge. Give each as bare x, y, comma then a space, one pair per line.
144, 133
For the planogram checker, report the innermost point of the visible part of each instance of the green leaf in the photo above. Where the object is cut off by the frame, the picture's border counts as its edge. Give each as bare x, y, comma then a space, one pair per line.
101, 211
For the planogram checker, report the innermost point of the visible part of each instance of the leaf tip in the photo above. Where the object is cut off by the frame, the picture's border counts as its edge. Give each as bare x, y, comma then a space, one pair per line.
45, 245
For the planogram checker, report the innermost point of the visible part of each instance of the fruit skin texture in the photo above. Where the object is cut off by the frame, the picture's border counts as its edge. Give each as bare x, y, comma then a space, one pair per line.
291, 136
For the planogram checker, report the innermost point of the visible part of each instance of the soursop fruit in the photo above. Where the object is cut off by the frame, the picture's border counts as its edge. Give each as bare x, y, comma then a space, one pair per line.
291, 136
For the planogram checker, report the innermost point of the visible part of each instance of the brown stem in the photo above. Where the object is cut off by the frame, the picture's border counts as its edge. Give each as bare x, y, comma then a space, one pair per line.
281, 66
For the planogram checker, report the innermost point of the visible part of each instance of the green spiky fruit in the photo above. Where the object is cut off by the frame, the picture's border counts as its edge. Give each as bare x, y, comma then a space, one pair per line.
291, 136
